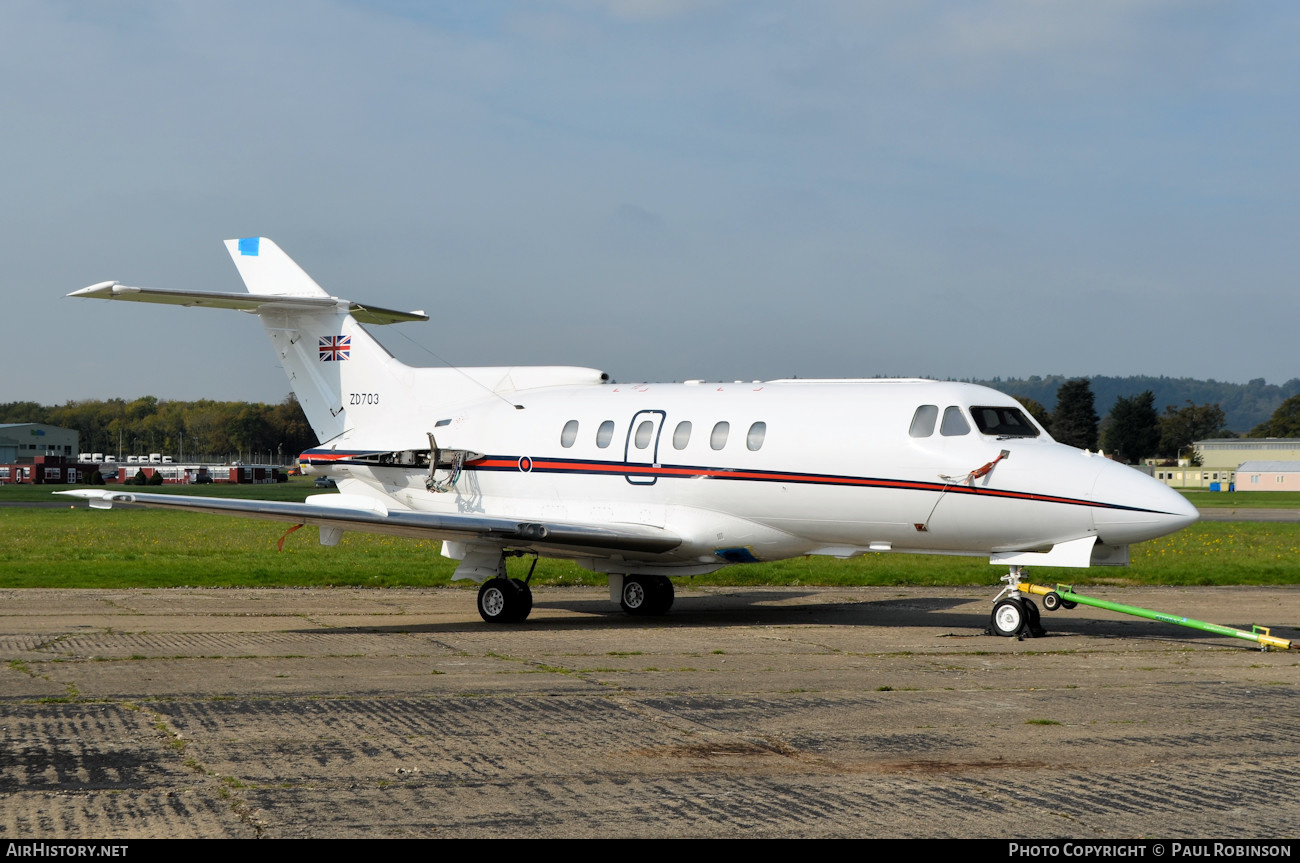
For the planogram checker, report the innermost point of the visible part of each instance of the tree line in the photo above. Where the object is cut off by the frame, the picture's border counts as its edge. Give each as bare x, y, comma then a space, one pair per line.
1246, 405
1134, 430
208, 430
201, 430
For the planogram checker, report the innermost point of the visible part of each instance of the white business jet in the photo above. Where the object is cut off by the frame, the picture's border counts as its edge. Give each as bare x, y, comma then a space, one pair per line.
649, 481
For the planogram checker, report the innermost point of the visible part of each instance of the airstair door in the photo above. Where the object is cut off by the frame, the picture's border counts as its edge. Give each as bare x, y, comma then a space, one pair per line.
641, 453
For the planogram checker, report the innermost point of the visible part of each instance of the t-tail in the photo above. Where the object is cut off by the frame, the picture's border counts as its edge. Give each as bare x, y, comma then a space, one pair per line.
343, 378
329, 357
318, 337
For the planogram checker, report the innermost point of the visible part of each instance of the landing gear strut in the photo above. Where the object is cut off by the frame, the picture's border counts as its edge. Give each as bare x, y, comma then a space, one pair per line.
1014, 614
646, 594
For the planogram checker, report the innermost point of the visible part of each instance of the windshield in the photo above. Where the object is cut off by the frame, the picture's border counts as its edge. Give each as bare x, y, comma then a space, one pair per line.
1003, 422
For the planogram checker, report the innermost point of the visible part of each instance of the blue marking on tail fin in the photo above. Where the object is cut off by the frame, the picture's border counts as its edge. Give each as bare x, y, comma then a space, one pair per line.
248, 246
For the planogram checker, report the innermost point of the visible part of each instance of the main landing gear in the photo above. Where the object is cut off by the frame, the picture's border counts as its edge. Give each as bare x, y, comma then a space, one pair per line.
502, 599
506, 600
1014, 614
646, 594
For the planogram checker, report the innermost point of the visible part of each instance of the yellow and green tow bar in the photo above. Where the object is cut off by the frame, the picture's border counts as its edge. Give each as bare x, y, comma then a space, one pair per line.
1063, 596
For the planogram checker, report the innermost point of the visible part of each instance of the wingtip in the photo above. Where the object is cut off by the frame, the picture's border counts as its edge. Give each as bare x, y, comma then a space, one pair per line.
97, 288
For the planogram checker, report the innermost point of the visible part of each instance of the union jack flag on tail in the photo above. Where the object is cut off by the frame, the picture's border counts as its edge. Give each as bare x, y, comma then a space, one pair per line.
335, 349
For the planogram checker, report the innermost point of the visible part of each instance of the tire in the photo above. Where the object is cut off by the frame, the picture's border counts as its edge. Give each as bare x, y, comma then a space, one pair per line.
664, 594
1051, 601
494, 600
1008, 618
504, 600
1033, 622
647, 594
1067, 605
638, 596
524, 598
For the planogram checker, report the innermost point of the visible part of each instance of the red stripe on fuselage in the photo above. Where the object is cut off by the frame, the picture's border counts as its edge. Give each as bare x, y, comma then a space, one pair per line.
497, 463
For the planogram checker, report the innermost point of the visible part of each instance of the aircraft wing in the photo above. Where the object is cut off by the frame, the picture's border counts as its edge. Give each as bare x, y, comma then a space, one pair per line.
354, 512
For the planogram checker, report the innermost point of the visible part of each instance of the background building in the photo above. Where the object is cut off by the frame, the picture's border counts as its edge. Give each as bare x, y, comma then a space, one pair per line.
28, 440
1222, 460
38, 453
1269, 476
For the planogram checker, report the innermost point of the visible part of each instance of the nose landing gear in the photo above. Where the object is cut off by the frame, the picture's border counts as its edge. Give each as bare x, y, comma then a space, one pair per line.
1014, 614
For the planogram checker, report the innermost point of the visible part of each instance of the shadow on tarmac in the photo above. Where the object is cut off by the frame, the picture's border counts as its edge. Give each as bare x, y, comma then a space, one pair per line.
747, 609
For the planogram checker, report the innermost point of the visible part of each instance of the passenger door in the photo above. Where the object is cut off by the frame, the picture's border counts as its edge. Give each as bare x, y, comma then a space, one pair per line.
642, 446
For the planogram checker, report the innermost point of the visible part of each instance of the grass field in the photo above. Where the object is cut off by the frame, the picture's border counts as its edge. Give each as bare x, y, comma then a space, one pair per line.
1244, 499
78, 547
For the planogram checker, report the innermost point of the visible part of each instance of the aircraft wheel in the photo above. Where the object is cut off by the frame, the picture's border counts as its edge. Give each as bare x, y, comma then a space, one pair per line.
647, 594
493, 600
636, 598
504, 600
665, 594
1033, 622
1051, 601
1008, 618
525, 599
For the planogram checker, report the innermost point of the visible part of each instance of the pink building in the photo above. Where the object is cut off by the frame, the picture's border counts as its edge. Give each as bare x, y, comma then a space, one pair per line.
1269, 476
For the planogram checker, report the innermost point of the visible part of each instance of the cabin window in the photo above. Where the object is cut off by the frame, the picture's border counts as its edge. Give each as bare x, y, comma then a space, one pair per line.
954, 422
605, 434
682, 435
923, 421
570, 433
754, 440
718, 439
1003, 422
643, 434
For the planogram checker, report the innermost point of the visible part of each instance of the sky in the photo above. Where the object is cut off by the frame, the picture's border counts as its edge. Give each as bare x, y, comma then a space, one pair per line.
661, 189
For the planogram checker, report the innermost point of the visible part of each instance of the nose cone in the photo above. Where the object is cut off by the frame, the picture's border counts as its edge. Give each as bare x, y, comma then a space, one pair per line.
1132, 507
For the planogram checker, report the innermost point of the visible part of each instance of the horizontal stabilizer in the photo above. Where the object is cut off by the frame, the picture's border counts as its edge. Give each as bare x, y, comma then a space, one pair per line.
256, 303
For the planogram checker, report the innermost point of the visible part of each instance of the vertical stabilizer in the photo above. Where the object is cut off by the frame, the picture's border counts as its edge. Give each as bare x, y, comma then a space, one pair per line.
266, 269
329, 357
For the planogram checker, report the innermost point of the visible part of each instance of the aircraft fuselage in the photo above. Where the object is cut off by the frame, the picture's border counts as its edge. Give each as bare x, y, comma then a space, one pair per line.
745, 472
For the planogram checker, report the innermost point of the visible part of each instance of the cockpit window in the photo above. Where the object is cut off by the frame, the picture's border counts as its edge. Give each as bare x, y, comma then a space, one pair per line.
923, 421
1003, 422
954, 422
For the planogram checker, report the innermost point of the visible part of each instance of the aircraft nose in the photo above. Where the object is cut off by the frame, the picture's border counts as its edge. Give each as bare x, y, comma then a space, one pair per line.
1133, 507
